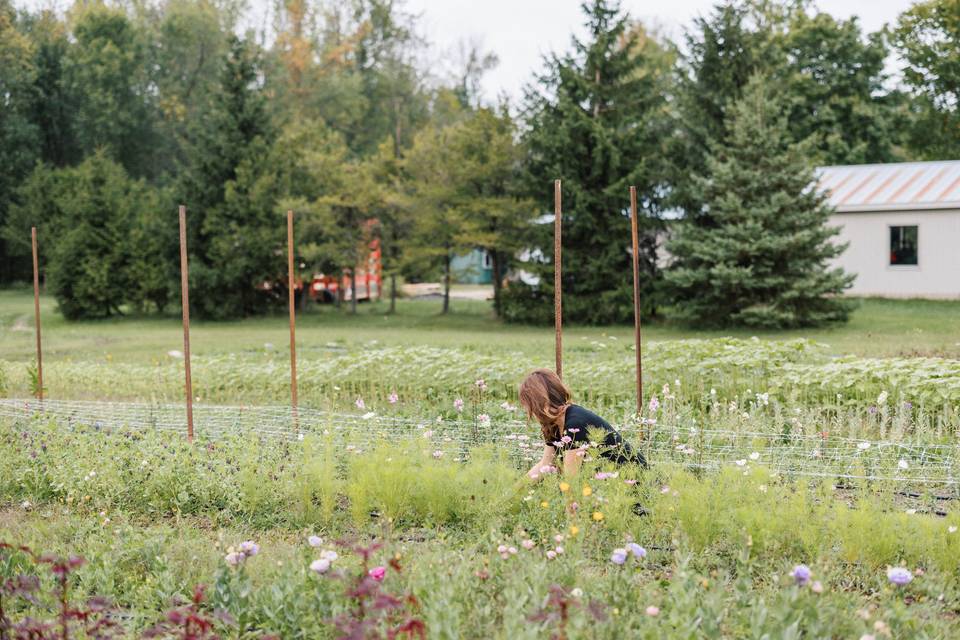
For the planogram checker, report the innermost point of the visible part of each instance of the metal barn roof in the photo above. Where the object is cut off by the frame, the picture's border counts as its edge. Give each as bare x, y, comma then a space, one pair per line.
893, 187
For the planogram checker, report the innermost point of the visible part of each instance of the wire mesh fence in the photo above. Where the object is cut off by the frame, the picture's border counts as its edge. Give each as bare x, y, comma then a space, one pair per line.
900, 462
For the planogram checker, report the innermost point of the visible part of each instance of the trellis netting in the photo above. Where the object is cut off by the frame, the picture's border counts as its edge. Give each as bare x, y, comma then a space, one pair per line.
900, 462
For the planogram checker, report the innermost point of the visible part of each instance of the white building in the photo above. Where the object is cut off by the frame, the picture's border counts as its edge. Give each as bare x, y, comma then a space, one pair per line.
902, 223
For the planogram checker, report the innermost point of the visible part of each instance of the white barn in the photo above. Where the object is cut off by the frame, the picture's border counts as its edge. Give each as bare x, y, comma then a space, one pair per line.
902, 223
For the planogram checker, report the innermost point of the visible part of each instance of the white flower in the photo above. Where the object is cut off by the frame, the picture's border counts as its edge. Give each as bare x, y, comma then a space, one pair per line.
438, 454
175, 354
577, 592
320, 566
484, 420
863, 446
951, 529
368, 415
26, 505
741, 463
754, 456
882, 398
902, 464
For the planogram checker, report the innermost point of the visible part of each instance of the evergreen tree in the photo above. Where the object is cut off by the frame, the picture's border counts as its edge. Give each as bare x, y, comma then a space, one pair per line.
89, 213
756, 251
231, 193
598, 123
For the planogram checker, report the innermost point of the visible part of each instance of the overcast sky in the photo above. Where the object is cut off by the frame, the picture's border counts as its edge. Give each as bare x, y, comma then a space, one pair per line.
520, 32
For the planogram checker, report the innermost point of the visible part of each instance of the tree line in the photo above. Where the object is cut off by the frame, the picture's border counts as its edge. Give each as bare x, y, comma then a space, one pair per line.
114, 113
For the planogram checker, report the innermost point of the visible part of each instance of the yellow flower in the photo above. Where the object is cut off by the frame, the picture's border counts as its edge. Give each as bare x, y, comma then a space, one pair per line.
564, 486
587, 491
597, 516
544, 504
574, 530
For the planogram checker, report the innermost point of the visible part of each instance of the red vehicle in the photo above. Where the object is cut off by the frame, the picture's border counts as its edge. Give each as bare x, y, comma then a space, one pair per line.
325, 287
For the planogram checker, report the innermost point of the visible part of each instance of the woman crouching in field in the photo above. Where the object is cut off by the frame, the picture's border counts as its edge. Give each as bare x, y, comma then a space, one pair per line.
565, 426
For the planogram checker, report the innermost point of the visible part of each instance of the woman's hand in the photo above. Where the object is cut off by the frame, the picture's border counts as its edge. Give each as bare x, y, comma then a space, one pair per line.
536, 471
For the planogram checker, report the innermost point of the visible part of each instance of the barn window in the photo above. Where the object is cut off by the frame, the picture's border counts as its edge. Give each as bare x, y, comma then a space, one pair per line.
903, 245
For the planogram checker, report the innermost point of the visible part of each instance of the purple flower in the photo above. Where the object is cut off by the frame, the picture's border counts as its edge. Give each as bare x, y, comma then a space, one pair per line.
249, 548
360, 403
481, 384
619, 556
654, 404
908, 405
636, 550
234, 558
872, 409
801, 573
899, 576
320, 566
393, 397
315, 541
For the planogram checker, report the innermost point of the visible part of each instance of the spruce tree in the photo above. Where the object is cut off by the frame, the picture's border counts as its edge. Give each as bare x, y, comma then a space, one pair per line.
756, 251
596, 122
236, 235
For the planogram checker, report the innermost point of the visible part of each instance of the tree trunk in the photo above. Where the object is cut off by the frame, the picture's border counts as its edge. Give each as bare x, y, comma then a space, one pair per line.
446, 282
495, 259
353, 291
340, 291
393, 293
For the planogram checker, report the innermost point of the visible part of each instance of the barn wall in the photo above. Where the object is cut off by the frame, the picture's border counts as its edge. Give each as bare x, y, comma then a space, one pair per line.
936, 276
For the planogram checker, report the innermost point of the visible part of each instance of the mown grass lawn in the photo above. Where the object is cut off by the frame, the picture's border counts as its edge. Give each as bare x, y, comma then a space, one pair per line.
877, 328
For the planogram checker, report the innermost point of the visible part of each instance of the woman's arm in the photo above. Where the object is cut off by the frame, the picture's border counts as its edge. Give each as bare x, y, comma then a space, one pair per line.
549, 453
572, 460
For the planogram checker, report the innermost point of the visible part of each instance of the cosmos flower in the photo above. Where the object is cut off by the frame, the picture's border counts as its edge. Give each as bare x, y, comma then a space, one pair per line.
377, 573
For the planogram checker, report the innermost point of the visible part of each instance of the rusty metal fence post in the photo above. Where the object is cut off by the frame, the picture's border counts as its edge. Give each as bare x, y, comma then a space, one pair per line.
557, 266
185, 301
36, 311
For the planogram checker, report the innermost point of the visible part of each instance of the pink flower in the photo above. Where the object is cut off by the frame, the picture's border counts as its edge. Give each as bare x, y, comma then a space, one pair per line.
528, 544
360, 403
438, 454
654, 404
378, 573
484, 420
458, 404
653, 611
481, 384
393, 398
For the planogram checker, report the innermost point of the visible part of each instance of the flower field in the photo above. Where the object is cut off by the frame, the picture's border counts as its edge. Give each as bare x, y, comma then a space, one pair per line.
793, 492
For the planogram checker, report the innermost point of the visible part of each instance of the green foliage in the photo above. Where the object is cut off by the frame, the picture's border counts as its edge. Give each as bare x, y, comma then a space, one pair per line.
597, 122
928, 39
234, 232
756, 252
86, 216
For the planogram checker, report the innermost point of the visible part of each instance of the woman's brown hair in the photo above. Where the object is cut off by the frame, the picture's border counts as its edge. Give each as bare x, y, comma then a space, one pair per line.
544, 397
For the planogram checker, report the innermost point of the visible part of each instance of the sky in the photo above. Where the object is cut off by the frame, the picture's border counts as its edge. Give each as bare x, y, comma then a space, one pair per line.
520, 32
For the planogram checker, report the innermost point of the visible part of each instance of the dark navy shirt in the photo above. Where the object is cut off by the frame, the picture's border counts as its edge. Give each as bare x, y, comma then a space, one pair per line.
577, 424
